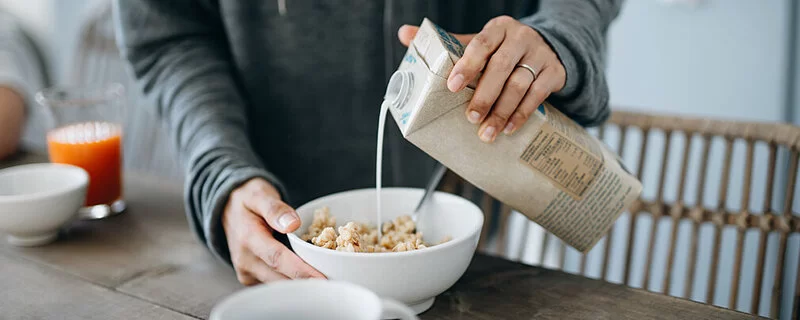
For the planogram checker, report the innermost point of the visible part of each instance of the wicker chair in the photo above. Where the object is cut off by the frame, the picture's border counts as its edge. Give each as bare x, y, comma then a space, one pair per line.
780, 143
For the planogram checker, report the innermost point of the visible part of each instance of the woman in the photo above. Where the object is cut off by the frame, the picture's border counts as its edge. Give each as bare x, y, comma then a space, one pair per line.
274, 103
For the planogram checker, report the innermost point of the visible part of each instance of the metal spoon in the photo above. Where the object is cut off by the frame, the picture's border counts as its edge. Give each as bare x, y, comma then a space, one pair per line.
438, 173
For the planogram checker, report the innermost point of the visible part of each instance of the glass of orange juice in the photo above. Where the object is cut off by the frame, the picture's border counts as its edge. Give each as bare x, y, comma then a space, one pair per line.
87, 132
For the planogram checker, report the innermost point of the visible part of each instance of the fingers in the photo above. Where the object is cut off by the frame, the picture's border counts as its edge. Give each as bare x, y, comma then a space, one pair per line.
545, 84
252, 212
264, 274
247, 279
515, 89
499, 49
475, 57
262, 200
279, 258
258, 257
253, 271
279, 215
250, 269
507, 95
498, 74
480, 48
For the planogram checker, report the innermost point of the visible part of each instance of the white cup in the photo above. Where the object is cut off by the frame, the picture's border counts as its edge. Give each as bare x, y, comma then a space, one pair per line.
309, 299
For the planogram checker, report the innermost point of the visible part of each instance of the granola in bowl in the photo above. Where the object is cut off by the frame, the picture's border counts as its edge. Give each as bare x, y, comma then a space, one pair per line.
399, 235
413, 277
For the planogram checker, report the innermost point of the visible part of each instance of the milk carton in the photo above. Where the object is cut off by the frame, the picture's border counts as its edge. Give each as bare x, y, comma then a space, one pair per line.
551, 169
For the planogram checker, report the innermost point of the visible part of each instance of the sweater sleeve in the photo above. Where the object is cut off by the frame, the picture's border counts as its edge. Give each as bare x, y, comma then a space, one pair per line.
576, 30
177, 50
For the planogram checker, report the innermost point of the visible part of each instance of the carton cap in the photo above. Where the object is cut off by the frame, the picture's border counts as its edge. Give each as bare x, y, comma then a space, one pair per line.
399, 89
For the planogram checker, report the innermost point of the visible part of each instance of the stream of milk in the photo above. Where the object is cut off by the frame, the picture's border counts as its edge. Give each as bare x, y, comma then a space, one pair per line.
379, 165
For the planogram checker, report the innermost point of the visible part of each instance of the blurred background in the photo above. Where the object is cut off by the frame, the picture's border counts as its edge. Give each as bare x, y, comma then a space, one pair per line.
723, 59
76, 42
731, 59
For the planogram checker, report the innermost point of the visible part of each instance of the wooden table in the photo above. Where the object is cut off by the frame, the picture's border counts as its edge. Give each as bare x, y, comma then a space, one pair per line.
147, 264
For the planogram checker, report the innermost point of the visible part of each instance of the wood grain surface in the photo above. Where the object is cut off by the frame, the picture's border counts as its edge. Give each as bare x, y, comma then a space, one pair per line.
34, 291
495, 288
147, 264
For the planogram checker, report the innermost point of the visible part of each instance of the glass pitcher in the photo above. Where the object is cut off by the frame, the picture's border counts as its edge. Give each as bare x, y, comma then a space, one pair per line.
87, 132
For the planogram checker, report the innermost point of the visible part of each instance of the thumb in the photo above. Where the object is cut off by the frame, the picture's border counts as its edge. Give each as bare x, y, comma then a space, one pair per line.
276, 213
280, 216
406, 34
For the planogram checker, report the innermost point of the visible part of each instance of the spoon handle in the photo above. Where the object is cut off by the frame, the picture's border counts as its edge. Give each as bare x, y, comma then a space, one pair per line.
438, 173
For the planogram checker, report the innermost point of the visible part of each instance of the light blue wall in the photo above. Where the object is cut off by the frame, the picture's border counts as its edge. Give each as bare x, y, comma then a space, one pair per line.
723, 58
720, 59
55, 26
794, 88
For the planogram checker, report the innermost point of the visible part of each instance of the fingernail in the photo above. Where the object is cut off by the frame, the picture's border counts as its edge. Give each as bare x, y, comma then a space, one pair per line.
488, 134
286, 220
509, 129
455, 83
474, 117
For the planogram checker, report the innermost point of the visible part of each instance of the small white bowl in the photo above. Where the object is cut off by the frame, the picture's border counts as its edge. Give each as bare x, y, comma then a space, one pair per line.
414, 277
36, 200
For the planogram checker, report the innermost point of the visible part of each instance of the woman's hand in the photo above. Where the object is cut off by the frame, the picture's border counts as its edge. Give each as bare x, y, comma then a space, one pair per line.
507, 94
253, 211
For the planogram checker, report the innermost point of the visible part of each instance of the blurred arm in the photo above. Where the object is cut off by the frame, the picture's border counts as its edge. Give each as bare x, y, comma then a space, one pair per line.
576, 30
178, 52
12, 115
21, 75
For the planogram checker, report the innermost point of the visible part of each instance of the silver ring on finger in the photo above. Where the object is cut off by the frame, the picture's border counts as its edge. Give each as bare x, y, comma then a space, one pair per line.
529, 68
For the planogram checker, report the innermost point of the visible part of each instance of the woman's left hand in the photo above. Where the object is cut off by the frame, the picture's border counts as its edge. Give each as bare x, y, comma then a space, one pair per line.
507, 93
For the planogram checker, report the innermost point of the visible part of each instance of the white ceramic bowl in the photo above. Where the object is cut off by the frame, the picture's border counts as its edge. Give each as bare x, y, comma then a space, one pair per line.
36, 200
414, 277
308, 299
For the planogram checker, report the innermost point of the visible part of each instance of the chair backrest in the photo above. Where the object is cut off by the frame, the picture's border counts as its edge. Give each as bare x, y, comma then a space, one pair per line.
690, 217
147, 148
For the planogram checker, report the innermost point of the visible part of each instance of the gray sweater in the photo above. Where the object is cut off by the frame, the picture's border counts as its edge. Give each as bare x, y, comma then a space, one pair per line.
290, 90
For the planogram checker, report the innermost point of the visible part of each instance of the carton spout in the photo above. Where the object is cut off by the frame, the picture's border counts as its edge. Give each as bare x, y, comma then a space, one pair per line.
399, 89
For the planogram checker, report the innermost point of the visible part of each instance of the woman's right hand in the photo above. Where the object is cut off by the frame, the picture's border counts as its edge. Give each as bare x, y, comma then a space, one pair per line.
253, 211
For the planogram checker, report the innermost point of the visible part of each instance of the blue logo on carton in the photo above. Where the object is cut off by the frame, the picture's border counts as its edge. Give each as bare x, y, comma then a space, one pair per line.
404, 117
450, 41
409, 58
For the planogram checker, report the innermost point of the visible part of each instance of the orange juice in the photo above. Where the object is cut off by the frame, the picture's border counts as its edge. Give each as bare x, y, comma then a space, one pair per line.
97, 148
